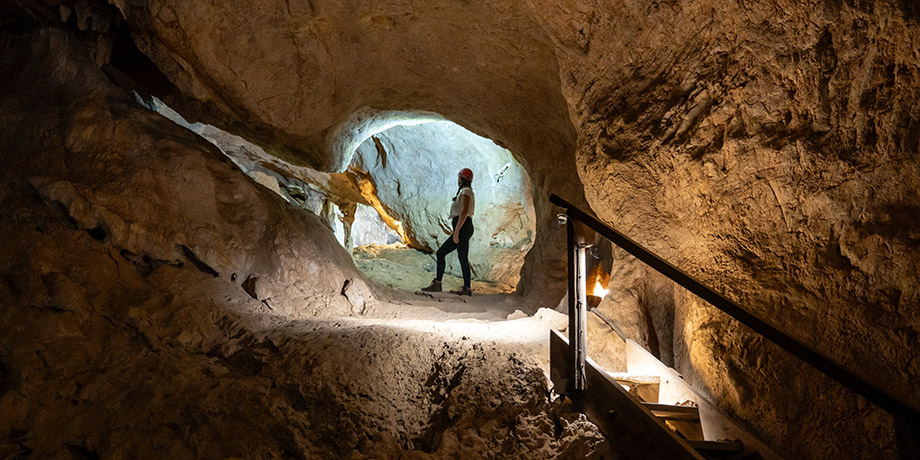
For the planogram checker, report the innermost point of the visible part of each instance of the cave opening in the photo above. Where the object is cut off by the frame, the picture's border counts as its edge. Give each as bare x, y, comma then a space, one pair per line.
388, 207
407, 174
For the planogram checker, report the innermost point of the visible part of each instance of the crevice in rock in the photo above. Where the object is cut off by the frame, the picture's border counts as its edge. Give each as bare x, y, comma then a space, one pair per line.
145, 264
98, 233
198, 263
249, 285
651, 335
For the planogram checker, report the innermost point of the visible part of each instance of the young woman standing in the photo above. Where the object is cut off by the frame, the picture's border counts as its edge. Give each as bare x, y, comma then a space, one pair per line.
461, 215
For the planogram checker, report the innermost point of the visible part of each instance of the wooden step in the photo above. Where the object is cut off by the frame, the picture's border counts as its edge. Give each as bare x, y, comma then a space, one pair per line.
671, 412
717, 446
644, 387
684, 420
635, 378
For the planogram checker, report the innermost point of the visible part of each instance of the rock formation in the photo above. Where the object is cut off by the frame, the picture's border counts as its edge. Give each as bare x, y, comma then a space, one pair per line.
770, 150
324, 77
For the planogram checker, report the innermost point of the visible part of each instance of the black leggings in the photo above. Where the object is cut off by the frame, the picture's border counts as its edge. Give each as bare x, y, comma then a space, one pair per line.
463, 250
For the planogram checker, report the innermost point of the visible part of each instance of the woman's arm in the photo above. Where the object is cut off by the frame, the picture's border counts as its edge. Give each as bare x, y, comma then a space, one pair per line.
464, 213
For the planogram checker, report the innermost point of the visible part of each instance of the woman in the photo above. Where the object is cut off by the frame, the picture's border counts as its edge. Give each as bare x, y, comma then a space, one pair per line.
461, 214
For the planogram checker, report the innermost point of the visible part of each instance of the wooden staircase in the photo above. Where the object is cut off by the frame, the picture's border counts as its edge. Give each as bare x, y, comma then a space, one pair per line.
685, 421
627, 410
683, 418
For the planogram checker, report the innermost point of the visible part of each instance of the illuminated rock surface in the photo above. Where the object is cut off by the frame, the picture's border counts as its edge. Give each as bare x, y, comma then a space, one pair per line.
772, 152
415, 172
768, 148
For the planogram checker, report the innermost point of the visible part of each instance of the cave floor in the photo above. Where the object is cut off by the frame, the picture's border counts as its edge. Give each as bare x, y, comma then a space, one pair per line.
484, 323
491, 315
495, 320
407, 269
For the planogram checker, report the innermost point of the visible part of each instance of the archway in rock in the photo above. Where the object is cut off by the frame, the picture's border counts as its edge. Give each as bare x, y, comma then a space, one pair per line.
308, 92
408, 173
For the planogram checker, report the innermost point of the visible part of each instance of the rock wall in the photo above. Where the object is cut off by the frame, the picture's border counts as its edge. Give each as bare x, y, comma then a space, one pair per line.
368, 228
771, 150
415, 170
95, 170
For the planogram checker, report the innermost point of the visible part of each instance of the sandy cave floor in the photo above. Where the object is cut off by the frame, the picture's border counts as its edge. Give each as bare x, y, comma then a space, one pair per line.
495, 321
407, 269
481, 332
491, 315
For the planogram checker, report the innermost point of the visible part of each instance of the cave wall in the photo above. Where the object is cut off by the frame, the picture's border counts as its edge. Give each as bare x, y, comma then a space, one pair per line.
117, 170
770, 149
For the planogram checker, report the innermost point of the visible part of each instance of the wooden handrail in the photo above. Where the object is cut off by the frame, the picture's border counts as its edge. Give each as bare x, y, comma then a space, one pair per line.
811, 357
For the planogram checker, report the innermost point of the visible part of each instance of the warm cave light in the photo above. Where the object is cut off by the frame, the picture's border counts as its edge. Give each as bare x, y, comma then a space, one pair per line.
369, 192
400, 231
599, 290
597, 281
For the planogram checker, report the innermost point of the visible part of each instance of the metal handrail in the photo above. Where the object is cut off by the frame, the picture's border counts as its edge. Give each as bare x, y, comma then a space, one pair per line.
811, 357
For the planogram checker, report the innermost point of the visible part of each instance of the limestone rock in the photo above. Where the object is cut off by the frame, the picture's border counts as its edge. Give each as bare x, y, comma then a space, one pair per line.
770, 150
197, 208
369, 229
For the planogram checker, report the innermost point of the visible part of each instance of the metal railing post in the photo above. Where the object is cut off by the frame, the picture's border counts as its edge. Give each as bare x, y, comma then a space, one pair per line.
571, 256
577, 306
581, 314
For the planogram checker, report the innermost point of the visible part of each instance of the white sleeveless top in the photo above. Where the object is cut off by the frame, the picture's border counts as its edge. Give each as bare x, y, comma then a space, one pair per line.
457, 205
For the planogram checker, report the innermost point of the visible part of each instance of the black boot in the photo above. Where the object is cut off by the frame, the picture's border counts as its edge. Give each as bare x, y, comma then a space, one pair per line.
464, 291
435, 286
